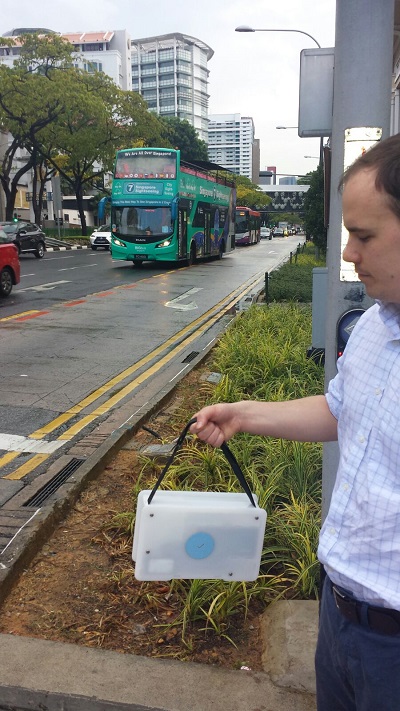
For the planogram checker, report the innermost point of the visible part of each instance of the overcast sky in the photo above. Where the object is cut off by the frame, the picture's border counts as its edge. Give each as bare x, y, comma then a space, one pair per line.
255, 74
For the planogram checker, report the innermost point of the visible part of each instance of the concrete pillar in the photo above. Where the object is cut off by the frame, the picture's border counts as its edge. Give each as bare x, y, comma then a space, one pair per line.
362, 97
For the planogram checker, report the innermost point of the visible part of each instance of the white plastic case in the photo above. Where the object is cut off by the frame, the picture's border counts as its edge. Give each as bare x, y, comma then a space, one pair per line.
192, 534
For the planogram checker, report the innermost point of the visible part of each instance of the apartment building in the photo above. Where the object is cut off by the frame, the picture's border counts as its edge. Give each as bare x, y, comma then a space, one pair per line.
231, 143
171, 73
108, 52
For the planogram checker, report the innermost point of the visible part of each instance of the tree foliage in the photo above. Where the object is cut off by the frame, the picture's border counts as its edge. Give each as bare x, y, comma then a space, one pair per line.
248, 194
314, 210
29, 102
182, 135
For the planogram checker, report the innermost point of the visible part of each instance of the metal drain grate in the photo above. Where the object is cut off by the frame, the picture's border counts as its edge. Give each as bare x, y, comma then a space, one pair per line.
191, 356
57, 481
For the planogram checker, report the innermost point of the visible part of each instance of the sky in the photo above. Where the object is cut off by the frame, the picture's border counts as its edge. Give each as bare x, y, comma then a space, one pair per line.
253, 74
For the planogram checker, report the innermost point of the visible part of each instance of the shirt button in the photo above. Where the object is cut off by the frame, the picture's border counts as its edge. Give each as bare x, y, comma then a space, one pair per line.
332, 530
345, 487
361, 439
378, 391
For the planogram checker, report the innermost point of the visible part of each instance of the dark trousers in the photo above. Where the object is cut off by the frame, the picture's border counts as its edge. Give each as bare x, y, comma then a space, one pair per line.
357, 669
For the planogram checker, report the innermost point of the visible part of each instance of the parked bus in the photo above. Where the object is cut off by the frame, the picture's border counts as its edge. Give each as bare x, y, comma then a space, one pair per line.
166, 210
247, 226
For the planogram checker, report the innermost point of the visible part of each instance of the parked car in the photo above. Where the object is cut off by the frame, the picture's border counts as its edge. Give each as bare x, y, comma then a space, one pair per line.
26, 236
265, 233
9, 265
278, 232
101, 237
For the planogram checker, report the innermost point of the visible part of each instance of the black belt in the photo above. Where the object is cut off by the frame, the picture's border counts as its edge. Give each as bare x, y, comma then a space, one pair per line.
378, 619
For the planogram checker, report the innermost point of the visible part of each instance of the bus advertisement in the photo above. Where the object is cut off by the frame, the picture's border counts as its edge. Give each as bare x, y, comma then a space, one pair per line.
247, 226
166, 210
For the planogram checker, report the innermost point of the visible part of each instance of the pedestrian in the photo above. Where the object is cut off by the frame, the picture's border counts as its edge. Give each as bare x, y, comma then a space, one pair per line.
358, 649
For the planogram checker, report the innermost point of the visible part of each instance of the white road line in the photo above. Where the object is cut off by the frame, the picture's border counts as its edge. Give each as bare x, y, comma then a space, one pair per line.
17, 443
174, 303
44, 287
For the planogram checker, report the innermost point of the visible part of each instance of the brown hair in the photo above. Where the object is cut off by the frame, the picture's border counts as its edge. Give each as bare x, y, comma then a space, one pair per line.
384, 159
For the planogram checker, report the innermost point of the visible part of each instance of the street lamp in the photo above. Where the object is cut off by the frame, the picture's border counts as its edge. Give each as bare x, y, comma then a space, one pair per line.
246, 28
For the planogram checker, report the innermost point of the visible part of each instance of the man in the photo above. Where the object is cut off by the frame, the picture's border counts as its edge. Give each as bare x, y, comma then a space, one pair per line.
358, 650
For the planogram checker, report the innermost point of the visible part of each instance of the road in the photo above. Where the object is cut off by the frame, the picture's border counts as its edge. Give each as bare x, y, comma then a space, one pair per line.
82, 333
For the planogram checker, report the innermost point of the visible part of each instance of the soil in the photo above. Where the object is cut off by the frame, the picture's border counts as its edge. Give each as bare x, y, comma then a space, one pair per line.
81, 588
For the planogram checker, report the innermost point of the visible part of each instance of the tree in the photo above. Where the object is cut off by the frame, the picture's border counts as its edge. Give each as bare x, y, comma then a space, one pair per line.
248, 194
182, 135
314, 210
30, 100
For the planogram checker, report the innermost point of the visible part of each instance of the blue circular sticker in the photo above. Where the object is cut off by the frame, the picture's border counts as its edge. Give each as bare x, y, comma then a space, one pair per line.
200, 545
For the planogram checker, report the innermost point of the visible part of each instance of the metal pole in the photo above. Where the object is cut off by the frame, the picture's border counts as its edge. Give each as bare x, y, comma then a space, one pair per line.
362, 95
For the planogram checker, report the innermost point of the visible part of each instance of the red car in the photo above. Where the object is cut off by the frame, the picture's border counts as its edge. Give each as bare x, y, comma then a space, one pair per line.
9, 265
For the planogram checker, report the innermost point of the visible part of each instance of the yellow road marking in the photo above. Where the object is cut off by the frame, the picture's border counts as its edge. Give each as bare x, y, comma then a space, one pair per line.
27, 467
23, 313
6, 458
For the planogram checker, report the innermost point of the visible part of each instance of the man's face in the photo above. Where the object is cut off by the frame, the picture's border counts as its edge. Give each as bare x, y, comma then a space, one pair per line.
374, 237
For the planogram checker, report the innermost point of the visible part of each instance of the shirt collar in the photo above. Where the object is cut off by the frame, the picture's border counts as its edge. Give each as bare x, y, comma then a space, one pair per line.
390, 316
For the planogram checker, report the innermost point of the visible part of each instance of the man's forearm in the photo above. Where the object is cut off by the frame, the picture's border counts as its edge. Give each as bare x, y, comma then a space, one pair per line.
305, 420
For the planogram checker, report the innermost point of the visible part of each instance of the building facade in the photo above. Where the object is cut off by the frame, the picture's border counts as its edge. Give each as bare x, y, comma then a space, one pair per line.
108, 52
231, 143
171, 73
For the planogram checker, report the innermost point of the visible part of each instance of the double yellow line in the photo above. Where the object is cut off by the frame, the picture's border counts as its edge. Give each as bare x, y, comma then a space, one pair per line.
173, 346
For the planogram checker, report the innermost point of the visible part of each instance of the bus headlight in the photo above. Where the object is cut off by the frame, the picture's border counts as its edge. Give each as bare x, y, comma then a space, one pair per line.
118, 242
165, 243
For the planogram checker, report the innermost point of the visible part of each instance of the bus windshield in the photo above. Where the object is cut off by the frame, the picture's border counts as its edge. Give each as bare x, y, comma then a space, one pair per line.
146, 165
139, 221
241, 222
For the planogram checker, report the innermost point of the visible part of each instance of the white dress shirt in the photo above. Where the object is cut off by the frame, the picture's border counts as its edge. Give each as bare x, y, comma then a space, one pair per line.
360, 538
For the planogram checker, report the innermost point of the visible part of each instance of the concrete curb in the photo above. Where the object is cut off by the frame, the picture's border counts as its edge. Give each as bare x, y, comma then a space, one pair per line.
51, 676
66, 249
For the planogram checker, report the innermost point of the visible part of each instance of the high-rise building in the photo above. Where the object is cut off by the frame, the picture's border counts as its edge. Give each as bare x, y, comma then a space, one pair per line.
170, 72
289, 180
231, 143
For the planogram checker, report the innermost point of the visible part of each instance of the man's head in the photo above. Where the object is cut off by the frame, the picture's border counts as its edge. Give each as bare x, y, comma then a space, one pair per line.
371, 214
384, 159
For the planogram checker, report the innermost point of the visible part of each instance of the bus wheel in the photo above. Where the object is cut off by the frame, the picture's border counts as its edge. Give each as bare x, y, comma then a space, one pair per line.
192, 255
137, 263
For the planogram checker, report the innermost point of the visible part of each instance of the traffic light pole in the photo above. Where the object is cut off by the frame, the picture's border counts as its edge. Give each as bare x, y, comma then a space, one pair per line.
362, 98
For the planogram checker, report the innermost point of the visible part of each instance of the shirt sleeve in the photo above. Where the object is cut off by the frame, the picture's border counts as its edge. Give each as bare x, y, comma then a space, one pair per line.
334, 396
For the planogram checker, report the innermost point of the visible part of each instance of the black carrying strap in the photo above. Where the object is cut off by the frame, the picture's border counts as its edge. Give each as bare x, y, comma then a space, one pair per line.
228, 454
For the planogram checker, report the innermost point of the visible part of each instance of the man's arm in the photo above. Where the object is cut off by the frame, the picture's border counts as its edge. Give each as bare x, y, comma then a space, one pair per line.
305, 420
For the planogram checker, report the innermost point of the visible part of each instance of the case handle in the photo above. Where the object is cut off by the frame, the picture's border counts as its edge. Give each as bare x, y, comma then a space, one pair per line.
228, 455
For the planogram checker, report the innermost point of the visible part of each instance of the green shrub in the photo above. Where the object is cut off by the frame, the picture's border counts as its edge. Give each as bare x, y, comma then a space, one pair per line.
293, 280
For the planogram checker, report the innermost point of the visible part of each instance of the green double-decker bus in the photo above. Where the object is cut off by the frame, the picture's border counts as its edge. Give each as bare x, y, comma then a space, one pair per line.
166, 210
